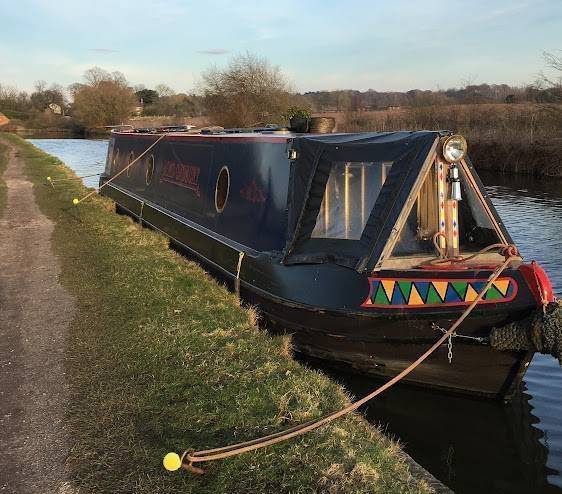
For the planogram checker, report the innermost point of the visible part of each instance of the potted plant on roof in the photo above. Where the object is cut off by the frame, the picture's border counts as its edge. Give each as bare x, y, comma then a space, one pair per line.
299, 118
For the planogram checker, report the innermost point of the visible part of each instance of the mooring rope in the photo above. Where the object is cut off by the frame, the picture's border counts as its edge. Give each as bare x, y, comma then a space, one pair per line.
76, 201
172, 461
506, 249
239, 267
53, 181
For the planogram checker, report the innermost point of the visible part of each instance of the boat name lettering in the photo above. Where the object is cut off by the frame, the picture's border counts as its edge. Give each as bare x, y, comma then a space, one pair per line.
183, 175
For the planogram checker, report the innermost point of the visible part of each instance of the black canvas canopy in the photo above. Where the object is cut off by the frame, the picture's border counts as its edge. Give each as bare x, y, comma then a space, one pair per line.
316, 156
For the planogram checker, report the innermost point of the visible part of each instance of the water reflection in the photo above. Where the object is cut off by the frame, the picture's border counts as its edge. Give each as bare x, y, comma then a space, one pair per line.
473, 446
532, 212
84, 156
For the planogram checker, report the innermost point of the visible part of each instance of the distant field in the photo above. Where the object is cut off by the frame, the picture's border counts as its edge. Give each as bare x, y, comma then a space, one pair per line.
513, 138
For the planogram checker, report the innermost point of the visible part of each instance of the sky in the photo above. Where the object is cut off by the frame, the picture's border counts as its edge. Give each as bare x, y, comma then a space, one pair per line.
331, 44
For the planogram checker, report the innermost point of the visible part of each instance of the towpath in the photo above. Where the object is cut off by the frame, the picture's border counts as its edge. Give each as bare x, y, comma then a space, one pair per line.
35, 311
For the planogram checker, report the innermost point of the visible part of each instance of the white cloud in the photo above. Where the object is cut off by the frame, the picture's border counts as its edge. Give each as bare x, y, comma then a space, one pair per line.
103, 50
214, 51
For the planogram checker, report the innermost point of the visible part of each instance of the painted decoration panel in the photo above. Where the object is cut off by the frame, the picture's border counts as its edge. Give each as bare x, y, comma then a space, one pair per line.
392, 293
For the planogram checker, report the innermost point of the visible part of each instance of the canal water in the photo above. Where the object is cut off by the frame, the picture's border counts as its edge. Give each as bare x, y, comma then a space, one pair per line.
473, 446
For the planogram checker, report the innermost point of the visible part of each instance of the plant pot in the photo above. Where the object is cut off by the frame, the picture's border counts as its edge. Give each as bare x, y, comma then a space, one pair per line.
322, 125
299, 124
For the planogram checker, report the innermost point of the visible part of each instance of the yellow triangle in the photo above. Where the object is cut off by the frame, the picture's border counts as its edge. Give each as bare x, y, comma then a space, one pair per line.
502, 286
441, 287
388, 286
415, 298
471, 294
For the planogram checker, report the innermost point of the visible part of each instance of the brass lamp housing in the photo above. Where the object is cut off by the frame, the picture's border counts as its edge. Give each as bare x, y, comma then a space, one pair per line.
454, 148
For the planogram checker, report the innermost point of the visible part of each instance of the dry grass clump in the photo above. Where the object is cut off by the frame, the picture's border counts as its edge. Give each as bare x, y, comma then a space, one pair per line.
162, 358
514, 138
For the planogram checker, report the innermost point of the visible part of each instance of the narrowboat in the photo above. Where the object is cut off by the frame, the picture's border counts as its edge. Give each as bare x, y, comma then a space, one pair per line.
364, 247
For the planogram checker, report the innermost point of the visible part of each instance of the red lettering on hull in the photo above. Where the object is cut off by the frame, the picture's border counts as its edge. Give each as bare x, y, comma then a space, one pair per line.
182, 175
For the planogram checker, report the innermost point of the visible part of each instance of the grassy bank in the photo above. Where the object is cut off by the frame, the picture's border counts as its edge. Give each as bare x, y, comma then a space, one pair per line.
162, 358
3, 163
509, 138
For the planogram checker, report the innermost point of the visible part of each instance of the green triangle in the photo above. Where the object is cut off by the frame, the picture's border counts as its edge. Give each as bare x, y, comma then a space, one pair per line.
493, 294
432, 296
460, 287
380, 297
405, 288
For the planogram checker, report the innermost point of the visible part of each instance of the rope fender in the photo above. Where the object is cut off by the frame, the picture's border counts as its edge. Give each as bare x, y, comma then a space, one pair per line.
540, 332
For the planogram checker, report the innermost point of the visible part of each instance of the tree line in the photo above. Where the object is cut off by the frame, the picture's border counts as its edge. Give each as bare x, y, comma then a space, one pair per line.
249, 91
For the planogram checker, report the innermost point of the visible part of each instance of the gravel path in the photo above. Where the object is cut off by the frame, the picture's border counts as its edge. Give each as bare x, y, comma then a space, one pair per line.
35, 311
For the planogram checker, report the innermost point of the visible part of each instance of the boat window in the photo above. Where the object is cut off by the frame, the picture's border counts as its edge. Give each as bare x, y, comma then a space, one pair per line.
149, 169
131, 159
351, 192
417, 234
476, 229
115, 162
222, 189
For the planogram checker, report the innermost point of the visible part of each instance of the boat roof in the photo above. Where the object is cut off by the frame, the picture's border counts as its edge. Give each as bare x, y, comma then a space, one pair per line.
270, 134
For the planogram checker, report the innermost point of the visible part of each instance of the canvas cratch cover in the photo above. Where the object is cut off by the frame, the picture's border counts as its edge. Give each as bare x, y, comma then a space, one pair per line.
346, 192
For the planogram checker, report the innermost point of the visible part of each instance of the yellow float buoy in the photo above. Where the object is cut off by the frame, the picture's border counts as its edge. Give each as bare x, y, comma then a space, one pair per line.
172, 462
49, 179
75, 201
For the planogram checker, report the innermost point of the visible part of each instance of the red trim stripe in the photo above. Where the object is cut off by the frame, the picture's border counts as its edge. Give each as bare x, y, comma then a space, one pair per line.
211, 137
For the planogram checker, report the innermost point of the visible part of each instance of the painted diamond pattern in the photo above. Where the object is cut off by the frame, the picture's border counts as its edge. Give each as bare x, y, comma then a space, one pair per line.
387, 292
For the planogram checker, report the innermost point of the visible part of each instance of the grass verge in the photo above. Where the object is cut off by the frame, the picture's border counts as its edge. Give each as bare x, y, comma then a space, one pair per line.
3, 190
162, 358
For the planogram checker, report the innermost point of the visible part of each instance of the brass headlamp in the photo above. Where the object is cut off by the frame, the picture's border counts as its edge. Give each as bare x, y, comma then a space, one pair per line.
454, 148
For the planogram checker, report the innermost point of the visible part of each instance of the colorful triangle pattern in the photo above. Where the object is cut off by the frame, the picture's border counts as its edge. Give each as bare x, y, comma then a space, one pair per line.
388, 292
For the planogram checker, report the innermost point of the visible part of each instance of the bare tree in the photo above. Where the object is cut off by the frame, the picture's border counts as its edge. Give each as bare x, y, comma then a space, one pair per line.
40, 85
549, 88
97, 75
42, 97
249, 91
105, 99
553, 61
8, 97
164, 90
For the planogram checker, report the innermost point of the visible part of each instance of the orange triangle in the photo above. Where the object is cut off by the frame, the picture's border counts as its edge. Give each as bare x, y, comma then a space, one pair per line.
388, 286
471, 294
441, 287
502, 286
415, 298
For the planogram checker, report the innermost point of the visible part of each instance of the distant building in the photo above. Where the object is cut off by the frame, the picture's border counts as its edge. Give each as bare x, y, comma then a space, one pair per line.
56, 109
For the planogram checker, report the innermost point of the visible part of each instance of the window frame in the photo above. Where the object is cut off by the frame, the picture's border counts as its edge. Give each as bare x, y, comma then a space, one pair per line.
150, 165
227, 193
114, 162
129, 161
